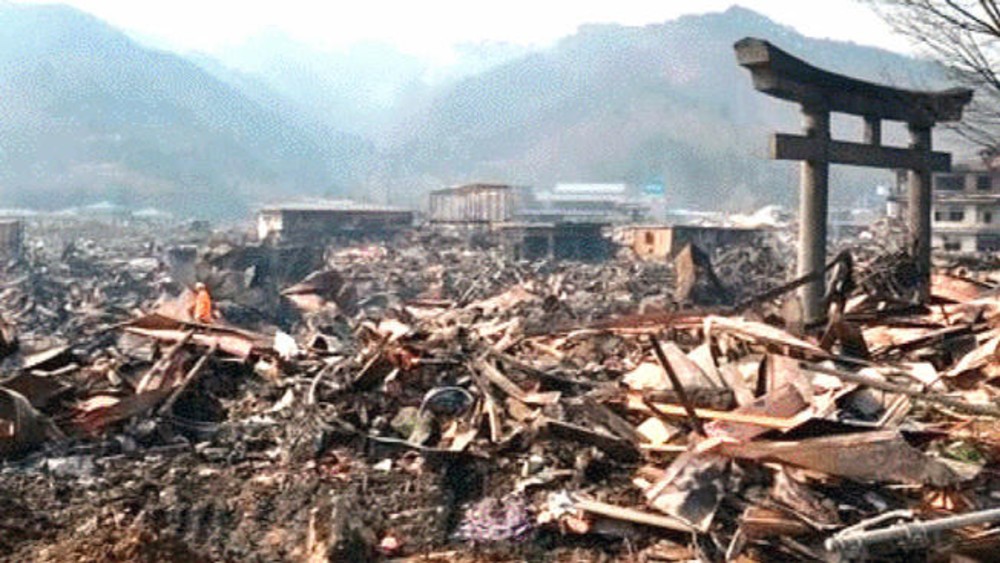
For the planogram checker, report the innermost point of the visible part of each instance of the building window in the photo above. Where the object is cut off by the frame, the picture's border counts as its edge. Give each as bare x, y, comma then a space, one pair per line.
988, 243
984, 182
649, 237
949, 216
987, 217
949, 183
952, 245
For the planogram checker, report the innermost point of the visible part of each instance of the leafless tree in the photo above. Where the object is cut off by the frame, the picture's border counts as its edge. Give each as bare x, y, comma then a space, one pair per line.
963, 35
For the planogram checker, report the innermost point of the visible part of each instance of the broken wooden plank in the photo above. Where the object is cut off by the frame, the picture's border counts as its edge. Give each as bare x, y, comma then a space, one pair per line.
189, 379
959, 405
509, 387
630, 515
759, 522
678, 387
881, 456
635, 403
620, 449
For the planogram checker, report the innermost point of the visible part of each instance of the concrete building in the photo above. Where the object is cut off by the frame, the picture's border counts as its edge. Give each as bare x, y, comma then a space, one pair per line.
317, 222
655, 242
475, 206
966, 209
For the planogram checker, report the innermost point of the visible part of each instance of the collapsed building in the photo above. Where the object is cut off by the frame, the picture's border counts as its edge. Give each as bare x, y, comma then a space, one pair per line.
665, 241
482, 408
585, 242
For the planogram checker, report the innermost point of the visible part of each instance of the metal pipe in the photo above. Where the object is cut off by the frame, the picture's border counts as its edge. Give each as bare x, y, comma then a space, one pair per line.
914, 534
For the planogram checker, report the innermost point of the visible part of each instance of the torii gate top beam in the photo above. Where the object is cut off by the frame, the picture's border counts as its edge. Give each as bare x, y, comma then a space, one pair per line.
782, 75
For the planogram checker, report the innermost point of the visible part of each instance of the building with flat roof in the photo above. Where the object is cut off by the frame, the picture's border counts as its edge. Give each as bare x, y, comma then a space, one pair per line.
317, 222
966, 207
608, 203
474, 206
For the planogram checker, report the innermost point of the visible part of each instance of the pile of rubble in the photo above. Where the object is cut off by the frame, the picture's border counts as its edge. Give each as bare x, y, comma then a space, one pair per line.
423, 399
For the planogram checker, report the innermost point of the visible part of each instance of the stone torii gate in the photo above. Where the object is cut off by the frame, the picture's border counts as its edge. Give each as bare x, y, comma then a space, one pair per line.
820, 92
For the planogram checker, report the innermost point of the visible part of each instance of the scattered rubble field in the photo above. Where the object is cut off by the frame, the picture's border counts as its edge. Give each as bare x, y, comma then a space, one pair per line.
429, 399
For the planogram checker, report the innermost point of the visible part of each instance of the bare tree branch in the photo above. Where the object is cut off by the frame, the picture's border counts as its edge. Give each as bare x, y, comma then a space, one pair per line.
964, 36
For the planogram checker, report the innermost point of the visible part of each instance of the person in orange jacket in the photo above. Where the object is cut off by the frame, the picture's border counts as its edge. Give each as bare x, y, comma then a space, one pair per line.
202, 310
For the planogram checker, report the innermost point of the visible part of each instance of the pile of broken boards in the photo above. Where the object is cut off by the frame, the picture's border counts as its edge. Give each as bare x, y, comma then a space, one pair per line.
729, 439
519, 415
690, 435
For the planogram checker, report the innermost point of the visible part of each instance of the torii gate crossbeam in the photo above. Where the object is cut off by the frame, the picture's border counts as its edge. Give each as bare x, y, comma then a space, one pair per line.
820, 92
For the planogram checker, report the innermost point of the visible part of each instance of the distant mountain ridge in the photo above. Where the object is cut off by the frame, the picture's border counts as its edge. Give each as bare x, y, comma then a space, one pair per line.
87, 114
664, 102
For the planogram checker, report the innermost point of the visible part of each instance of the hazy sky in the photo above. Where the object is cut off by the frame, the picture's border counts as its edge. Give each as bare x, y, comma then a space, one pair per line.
429, 27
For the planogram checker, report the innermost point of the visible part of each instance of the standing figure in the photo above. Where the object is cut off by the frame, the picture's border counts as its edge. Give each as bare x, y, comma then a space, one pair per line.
201, 310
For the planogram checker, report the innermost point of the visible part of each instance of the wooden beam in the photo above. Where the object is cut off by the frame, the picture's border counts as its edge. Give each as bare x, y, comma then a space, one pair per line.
627, 514
797, 147
635, 403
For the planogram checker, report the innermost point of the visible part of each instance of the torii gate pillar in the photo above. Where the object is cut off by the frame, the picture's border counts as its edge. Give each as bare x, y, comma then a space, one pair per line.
820, 92
814, 196
920, 202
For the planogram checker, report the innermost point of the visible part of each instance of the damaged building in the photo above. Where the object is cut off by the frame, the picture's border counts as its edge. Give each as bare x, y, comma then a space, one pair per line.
316, 222
426, 399
654, 242
11, 238
584, 242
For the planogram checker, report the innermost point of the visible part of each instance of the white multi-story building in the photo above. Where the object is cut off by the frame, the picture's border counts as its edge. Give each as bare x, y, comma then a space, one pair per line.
966, 212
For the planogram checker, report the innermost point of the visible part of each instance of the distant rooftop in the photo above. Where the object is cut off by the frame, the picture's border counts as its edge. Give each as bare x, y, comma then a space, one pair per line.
471, 188
664, 227
595, 189
580, 197
331, 205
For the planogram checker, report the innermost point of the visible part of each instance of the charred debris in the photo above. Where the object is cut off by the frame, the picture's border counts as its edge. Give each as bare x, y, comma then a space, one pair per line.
428, 397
